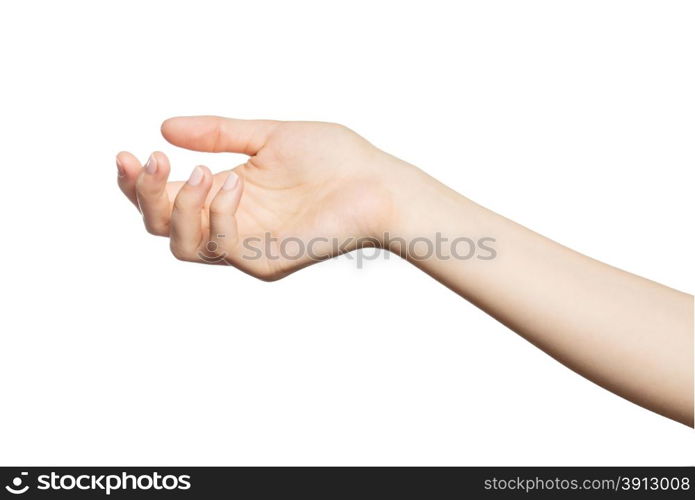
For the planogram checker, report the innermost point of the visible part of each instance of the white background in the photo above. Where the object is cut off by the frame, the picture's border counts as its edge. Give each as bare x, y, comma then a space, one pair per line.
573, 118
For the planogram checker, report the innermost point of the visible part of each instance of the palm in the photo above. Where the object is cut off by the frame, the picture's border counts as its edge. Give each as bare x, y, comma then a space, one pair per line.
309, 180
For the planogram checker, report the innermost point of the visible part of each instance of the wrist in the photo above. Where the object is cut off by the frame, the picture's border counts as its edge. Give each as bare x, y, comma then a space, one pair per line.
429, 221
396, 183
417, 204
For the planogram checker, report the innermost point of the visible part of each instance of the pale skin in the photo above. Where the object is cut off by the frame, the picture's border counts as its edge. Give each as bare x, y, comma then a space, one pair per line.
319, 182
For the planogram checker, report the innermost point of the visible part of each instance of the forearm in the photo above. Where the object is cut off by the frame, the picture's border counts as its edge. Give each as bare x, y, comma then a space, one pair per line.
318, 181
630, 335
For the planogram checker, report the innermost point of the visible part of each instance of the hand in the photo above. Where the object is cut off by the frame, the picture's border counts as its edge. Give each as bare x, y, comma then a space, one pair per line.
317, 181
306, 184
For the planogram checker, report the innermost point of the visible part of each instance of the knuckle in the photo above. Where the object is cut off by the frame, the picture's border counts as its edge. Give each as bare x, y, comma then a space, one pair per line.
184, 204
157, 229
141, 185
217, 136
339, 128
218, 208
182, 253
155, 224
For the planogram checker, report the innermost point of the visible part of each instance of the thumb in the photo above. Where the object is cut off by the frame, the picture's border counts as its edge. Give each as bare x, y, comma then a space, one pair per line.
215, 134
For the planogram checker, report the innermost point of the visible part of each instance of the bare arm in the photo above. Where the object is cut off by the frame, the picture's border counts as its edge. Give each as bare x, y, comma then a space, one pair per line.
626, 333
320, 184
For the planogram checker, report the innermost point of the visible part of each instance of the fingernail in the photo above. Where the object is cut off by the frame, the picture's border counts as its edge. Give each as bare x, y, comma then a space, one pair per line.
196, 176
151, 165
121, 170
231, 181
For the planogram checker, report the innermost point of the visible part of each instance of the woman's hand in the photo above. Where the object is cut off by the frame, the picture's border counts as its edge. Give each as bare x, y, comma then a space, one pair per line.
307, 192
317, 182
